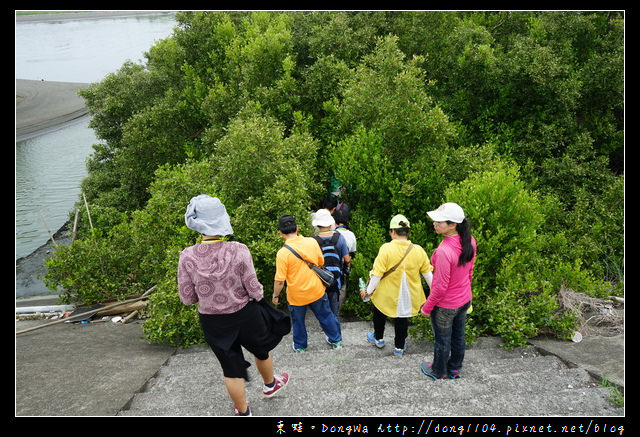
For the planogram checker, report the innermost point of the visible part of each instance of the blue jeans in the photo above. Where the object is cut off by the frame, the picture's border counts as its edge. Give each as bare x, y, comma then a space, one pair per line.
334, 301
449, 346
328, 321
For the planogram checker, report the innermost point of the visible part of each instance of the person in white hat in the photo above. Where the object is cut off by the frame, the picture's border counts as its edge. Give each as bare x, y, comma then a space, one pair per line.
335, 252
450, 296
341, 217
220, 277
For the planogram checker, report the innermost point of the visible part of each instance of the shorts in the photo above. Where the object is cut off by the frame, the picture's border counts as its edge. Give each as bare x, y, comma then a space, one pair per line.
227, 334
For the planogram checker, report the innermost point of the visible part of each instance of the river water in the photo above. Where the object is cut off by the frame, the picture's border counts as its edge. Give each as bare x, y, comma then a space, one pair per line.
50, 167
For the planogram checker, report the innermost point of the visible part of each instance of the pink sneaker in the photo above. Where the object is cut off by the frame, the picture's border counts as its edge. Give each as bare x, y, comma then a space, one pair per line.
280, 382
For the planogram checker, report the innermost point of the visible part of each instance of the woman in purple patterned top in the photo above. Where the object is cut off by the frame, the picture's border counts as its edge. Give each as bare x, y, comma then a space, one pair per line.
219, 276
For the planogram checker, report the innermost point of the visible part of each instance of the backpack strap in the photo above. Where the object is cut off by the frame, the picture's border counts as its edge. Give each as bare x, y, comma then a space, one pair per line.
329, 243
332, 259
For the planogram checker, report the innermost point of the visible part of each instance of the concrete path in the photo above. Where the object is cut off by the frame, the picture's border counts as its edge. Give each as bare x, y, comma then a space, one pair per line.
107, 369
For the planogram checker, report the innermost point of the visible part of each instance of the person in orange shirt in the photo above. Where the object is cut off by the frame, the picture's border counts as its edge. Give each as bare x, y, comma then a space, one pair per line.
304, 288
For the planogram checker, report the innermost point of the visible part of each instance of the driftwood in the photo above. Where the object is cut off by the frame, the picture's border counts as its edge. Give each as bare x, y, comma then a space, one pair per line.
130, 316
145, 295
594, 316
123, 308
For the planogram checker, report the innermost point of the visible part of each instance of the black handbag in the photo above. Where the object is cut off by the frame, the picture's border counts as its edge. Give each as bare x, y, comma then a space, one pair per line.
325, 275
278, 321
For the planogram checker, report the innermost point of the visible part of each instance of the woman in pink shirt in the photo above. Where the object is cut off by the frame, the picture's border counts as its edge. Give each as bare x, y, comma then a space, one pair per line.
450, 296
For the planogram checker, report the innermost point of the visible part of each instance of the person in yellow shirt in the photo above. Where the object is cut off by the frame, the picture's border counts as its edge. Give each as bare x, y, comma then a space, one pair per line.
397, 293
304, 288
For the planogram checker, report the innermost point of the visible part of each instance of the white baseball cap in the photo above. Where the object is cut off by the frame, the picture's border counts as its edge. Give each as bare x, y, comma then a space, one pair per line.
448, 212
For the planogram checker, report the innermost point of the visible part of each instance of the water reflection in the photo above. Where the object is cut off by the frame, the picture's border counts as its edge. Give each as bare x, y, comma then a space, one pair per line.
85, 50
49, 169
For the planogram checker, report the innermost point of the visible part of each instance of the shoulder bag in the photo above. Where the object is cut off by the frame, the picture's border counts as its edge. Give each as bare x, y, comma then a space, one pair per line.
325, 275
393, 269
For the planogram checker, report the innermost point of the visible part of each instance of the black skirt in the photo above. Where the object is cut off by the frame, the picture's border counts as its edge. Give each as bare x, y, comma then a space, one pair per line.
253, 327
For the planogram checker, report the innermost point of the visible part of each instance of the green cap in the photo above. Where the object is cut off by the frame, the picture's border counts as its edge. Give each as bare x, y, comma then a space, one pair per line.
399, 221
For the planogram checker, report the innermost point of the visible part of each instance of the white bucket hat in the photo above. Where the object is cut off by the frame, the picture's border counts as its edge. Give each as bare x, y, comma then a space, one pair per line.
323, 218
448, 212
208, 216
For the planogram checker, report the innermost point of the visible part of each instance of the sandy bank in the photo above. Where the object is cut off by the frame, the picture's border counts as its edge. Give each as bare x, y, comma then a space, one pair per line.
42, 105
83, 15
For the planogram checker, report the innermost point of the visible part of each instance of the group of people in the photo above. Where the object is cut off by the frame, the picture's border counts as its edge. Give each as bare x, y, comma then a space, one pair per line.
396, 290
219, 275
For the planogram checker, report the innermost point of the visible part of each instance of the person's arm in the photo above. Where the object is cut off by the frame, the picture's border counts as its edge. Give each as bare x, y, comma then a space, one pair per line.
426, 269
277, 289
373, 283
186, 287
428, 277
347, 260
343, 249
280, 276
439, 283
375, 276
249, 278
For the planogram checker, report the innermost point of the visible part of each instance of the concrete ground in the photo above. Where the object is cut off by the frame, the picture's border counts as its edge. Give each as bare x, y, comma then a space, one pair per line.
95, 369
82, 369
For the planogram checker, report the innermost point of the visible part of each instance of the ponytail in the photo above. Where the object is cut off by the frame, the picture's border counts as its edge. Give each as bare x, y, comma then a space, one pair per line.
464, 230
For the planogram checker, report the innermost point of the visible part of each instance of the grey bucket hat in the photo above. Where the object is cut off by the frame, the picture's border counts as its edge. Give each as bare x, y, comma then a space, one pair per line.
208, 216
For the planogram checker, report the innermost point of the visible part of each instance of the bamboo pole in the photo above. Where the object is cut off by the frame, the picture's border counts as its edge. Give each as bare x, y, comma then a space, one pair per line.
145, 295
123, 308
75, 225
47, 228
86, 205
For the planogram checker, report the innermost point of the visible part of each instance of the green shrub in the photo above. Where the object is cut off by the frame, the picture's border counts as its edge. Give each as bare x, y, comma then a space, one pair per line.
169, 320
92, 270
370, 236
